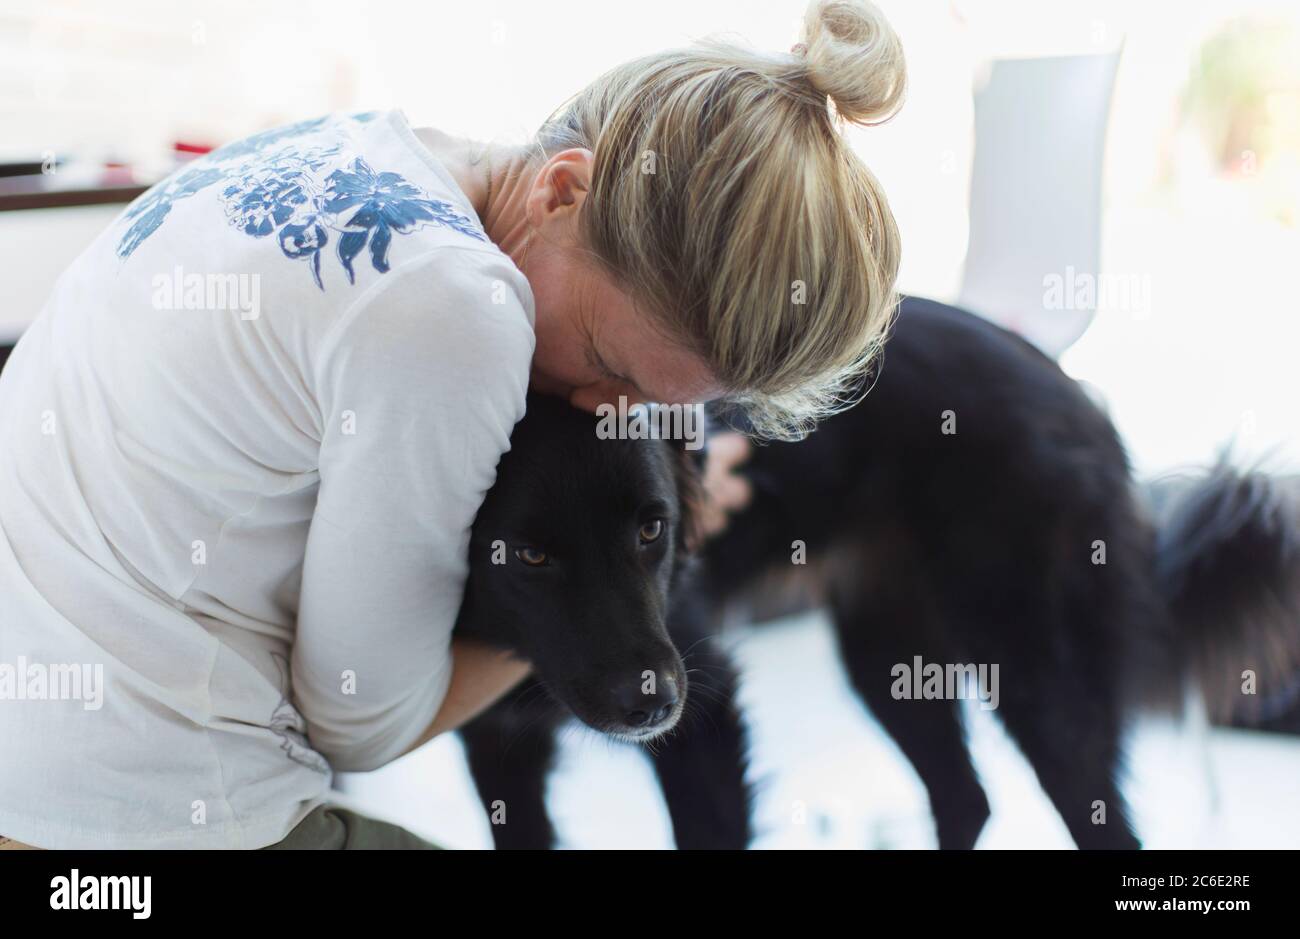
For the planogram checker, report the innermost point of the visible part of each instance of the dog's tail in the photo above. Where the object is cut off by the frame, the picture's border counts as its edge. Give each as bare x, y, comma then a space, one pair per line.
1227, 556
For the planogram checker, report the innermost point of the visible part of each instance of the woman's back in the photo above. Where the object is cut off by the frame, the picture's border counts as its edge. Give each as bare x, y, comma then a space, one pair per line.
287, 309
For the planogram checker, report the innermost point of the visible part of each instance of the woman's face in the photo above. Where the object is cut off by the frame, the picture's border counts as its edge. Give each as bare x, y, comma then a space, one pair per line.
593, 343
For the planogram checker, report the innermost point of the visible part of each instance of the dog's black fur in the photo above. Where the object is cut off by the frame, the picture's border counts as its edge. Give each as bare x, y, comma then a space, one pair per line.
978, 546
594, 621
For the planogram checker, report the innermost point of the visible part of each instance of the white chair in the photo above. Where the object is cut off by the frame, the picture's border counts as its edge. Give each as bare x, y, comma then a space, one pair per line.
1035, 204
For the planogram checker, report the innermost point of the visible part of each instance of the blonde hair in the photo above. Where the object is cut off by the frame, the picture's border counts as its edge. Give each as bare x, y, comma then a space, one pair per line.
724, 198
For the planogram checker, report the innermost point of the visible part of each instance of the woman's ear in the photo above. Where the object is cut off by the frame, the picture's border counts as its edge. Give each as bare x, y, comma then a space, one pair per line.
560, 188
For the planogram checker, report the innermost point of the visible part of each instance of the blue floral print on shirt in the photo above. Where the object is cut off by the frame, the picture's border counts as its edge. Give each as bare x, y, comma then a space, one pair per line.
277, 185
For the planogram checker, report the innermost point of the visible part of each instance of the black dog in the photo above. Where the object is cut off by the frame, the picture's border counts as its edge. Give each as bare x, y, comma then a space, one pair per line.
575, 556
975, 508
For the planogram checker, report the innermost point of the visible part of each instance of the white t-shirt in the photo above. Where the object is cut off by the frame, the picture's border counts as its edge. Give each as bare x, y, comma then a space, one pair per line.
240, 452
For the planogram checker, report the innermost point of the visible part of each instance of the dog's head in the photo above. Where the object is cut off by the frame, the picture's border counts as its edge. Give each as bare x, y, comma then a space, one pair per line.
572, 560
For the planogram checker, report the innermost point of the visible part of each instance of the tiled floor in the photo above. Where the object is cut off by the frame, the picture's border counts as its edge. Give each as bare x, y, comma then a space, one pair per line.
828, 777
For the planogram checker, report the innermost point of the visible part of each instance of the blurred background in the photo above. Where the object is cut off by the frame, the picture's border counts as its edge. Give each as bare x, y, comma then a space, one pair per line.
1120, 182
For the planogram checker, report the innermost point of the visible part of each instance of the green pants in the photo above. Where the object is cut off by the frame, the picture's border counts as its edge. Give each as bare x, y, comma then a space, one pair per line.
330, 828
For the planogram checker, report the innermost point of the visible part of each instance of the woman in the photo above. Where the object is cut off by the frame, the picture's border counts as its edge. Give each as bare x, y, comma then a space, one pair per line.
247, 436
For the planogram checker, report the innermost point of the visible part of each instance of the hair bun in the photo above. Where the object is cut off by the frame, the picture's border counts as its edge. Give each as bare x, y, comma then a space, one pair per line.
854, 57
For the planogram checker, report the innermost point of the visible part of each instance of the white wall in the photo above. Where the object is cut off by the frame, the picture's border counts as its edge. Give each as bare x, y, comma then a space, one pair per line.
37, 244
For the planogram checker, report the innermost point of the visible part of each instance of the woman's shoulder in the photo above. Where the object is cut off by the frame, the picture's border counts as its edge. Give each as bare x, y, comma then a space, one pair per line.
451, 307
453, 281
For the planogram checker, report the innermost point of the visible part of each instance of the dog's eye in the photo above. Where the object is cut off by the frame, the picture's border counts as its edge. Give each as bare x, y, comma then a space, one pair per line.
651, 531
533, 557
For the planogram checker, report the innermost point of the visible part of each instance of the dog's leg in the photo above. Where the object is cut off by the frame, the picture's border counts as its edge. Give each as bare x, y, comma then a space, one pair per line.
1069, 733
876, 633
701, 763
510, 753
1059, 632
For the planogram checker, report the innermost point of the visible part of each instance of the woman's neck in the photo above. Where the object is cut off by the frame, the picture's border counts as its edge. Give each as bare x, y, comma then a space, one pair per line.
496, 181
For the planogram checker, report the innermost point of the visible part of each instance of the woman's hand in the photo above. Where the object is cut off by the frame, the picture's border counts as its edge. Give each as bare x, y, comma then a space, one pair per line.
725, 490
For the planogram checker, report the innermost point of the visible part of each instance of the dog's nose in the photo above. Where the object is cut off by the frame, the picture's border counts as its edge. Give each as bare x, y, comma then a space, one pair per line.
647, 702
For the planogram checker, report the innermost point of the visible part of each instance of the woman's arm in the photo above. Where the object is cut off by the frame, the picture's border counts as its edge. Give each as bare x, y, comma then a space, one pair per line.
480, 675
418, 391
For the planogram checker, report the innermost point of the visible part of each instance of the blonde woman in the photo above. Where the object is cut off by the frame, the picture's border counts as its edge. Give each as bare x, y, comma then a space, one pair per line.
246, 437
